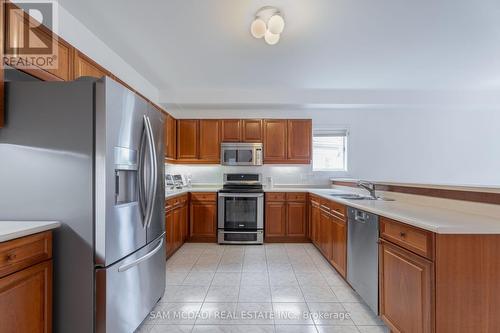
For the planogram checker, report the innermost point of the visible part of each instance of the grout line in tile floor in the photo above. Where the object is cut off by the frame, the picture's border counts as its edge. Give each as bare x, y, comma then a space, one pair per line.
295, 254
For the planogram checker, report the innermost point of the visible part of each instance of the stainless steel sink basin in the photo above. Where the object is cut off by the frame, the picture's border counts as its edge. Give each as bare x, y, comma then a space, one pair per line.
349, 196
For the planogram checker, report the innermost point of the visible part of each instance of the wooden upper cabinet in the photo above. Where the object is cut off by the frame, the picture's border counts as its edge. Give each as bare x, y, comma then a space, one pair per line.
406, 290
252, 130
17, 24
209, 141
187, 139
299, 139
84, 66
231, 130
275, 137
170, 137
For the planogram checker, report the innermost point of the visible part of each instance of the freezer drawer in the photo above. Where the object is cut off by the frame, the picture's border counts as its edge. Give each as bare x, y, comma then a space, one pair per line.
128, 290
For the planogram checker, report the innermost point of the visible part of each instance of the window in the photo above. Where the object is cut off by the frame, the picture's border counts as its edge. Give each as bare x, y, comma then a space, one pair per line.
330, 150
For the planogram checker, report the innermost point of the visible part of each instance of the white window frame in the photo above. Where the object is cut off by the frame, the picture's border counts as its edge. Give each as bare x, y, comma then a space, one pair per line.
340, 132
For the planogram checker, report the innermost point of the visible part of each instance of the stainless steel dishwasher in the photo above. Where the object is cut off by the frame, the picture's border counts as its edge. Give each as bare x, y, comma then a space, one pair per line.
362, 255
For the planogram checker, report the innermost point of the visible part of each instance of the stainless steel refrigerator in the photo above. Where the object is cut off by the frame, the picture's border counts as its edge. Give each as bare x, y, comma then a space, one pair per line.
89, 153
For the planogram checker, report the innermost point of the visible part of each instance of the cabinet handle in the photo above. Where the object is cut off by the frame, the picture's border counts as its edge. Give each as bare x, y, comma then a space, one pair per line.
402, 234
11, 257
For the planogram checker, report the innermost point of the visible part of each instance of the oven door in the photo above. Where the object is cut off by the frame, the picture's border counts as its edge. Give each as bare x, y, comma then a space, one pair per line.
241, 211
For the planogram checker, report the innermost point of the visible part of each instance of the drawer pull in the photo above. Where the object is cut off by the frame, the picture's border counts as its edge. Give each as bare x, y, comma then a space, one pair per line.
11, 257
402, 234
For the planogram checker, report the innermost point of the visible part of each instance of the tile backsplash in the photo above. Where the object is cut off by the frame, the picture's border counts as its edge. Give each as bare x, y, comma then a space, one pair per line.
281, 174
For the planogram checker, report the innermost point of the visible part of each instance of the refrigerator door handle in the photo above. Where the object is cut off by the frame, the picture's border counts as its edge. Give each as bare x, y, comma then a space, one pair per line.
153, 175
155, 171
141, 259
140, 176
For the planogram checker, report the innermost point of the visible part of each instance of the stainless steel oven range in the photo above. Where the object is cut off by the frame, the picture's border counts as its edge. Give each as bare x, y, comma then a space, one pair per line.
241, 209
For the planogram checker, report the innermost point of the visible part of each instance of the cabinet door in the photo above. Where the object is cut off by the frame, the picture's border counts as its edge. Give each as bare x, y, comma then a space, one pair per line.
177, 233
209, 141
325, 235
299, 135
26, 300
203, 218
170, 137
18, 24
315, 218
187, 139
169, 230
231, 130
275, 141
184, 222
296, 219
405, 290
275, 222
84, 66
339, 247
252, 130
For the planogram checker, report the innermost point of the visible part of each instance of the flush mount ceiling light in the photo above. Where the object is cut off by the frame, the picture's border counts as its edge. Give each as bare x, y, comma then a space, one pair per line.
268, 23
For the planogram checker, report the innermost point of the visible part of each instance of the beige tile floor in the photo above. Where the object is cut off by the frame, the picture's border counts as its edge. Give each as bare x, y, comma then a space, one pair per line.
265, 288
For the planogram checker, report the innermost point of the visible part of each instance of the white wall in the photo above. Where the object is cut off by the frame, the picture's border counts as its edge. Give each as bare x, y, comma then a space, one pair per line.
426, 146
83, 39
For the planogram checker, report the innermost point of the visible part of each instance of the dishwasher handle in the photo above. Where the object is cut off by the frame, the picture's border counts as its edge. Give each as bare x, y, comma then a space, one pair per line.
361, 216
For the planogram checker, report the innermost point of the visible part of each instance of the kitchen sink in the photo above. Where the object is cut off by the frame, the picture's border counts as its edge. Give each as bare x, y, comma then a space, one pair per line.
351, 196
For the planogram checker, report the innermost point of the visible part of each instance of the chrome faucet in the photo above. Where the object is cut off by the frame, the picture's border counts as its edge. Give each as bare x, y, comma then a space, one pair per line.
370, 187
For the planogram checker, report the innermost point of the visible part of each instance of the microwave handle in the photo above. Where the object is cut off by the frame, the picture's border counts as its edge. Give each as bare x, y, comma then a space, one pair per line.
257, 156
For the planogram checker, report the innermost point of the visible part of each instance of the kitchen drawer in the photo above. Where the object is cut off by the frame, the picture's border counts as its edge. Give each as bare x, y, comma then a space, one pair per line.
314, 199
296, 196
275, 196
23, 252
337, 209
203, 196
413, 239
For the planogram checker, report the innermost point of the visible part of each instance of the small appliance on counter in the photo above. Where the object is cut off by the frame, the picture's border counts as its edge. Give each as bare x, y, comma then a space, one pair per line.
179, 181
169, 182
241, 209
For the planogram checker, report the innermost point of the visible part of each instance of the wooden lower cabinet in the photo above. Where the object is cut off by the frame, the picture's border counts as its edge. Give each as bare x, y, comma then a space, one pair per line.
26, 289
176, 223
339, 245
314, 217
203, 217
406, 290
325, 234
296, 226
285, 217
275, 220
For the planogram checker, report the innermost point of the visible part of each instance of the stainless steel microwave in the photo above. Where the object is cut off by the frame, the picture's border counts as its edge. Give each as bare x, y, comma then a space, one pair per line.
241, 154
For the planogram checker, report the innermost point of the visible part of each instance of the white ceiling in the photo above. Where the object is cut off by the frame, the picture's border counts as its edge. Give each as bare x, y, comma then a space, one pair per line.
191, 48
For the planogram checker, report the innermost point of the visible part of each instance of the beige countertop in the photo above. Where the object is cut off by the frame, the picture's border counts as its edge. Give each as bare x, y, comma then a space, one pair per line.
16, 229
439, 216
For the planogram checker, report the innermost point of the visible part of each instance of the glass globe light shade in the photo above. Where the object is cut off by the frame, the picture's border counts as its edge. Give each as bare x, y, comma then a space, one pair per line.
258, 28
271, 38
276, 24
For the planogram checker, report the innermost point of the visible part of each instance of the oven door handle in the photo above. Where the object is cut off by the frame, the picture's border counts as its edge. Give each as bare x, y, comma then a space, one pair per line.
241, 195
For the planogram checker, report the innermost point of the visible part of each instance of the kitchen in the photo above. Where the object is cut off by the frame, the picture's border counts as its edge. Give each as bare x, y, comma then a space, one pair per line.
267, 167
